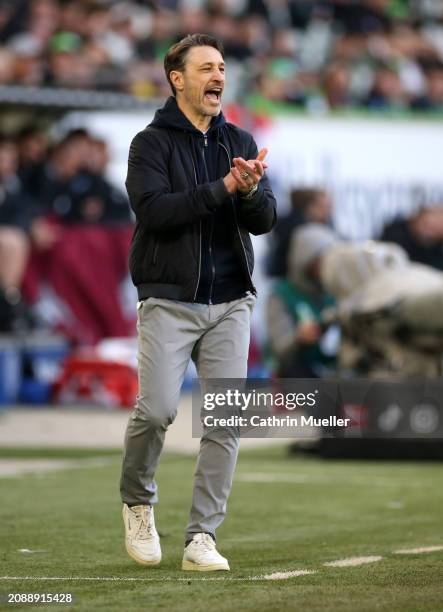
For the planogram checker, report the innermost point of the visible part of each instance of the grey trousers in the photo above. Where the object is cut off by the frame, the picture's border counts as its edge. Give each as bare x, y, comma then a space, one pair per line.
170, 333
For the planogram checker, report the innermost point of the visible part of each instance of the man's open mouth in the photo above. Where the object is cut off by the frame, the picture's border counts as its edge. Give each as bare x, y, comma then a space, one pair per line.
213, 94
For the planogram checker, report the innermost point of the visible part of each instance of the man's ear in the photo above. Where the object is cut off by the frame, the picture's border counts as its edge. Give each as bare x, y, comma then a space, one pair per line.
177, 79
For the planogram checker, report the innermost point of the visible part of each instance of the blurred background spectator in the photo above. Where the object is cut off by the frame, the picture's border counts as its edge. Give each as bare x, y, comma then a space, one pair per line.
421, 236
308, 205
64, 237
298, 345
15, 224
389, 309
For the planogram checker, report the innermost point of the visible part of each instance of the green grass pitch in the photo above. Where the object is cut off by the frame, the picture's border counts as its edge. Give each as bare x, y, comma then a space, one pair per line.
284, 514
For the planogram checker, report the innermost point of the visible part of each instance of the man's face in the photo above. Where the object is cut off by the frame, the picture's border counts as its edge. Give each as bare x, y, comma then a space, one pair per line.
200, 86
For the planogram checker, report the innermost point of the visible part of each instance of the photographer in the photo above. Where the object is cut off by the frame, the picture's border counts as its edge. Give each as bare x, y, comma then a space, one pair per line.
297, 343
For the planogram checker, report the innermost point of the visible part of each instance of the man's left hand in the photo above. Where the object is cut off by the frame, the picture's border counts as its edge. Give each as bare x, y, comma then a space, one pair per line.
248, 173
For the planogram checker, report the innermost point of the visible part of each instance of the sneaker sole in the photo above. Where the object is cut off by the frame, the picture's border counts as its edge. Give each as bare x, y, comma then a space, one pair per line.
189, 566
141, 561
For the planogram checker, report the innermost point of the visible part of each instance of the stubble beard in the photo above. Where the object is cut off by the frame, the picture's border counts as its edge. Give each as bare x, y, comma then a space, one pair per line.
208, 112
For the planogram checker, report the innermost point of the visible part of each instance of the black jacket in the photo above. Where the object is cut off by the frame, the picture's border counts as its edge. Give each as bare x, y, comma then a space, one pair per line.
170, 205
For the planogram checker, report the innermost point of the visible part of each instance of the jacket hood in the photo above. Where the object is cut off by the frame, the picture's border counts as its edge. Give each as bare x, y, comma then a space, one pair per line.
171, 117
308, 242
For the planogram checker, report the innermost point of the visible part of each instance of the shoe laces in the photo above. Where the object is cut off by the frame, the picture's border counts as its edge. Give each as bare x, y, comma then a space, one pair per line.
205, 542
144, 523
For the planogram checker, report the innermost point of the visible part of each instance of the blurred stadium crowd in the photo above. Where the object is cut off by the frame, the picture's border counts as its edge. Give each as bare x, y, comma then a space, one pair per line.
64, 234
312, 54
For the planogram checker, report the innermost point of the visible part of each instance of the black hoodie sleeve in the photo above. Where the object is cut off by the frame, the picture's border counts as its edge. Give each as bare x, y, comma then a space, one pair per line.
149, 188
257, 215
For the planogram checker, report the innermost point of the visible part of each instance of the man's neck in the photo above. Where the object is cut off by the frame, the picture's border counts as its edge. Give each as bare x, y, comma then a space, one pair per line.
201, 122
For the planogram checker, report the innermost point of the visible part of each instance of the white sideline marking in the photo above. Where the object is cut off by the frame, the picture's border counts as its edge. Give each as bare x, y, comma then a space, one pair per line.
11, 468
104, 578
348, 562
275, 576
284, 575
395, 505
28, 551
417, 551
351, 561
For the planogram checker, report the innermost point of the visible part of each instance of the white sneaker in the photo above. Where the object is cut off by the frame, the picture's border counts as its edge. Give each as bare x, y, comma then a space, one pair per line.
142, 540
201, 555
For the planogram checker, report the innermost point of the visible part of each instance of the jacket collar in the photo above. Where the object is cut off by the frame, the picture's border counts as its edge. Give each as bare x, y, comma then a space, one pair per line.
171, 117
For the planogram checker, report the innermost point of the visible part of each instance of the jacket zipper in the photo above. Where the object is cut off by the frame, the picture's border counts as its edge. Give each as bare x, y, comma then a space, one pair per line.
205, 144
212, 261
200, 238
238, 228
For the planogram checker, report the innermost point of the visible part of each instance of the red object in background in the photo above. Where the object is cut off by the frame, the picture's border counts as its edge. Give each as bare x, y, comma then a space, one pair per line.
254, 355
357, 413
245, 118
85, 269
89, 380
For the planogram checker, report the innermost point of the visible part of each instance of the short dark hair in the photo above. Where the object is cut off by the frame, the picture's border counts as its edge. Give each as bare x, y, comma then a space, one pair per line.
175, 58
